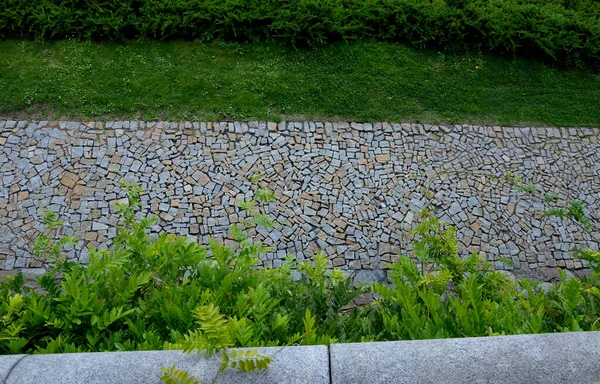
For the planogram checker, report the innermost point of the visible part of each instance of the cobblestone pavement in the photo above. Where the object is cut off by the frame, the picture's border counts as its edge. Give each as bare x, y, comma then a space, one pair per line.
352, 190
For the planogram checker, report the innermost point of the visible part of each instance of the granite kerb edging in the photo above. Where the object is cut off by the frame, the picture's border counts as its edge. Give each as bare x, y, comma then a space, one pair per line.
7, 364
350, 189
570, 357
290, 365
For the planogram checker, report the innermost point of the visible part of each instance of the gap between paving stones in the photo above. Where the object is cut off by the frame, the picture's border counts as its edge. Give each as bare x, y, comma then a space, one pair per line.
352, 190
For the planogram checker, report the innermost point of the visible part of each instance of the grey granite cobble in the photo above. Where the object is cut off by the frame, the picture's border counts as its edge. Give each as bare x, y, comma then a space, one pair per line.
352, 190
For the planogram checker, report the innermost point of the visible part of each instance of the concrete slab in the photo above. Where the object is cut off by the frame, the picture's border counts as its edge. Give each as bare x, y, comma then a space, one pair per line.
7, 363
290, 365
547, 359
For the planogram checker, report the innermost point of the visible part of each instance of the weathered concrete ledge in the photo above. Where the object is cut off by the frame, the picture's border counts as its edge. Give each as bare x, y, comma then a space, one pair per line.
548, 358
290, 365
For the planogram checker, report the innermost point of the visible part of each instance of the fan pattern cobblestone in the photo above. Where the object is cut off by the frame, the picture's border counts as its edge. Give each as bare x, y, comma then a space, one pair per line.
352, 190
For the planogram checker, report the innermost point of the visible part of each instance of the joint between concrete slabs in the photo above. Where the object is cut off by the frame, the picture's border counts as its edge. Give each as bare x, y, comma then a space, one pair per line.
329, 363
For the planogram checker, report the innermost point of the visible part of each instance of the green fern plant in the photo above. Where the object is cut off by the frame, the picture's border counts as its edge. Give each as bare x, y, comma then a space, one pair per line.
166, 292
174, 375
215, 337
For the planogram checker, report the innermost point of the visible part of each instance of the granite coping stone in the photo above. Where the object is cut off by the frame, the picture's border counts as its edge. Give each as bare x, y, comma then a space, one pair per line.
7, 363
546, 358
290, 365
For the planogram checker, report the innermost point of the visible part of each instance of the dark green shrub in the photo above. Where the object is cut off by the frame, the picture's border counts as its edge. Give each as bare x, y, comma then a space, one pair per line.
171, 293
564, 32
465, 298
164, 293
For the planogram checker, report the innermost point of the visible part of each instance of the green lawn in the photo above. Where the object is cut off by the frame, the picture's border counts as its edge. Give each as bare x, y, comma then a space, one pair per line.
361, 81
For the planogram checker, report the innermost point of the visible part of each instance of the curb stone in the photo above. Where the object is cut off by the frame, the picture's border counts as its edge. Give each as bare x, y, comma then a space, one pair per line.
570, 357
7, 364
292, 365
544, 359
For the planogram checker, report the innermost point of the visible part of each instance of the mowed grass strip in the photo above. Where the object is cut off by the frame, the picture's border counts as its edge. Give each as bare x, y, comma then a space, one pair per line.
362, 81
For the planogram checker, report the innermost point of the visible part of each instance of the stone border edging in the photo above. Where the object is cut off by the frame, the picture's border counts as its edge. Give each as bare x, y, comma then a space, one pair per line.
296, 364
7, 363
547, 358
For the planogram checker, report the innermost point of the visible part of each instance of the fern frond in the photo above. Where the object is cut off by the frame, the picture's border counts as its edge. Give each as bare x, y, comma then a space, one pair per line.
247, 361
174, 375
264, 195
213, 334
309, 328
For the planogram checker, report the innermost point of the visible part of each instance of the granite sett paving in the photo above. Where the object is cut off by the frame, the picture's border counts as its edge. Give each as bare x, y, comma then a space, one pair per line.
352, 190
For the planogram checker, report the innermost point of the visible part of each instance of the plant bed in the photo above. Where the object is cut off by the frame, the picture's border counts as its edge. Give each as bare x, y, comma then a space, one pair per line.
170, 293
548, 358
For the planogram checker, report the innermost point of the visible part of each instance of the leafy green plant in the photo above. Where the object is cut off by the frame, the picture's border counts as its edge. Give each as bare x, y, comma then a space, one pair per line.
145, 293
574, 211
254, 208
44, 246
437, 245
167, 292
174, 375
551, 197
215, 336
519, 185
592, 256
464, 297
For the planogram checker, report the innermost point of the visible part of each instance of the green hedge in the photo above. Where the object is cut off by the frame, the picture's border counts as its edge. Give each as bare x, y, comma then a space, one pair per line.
562, 31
